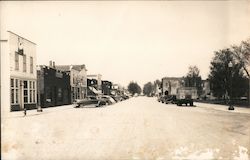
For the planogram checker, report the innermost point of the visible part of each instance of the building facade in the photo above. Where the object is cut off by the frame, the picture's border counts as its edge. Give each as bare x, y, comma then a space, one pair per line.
20, 56
78, 80
53, 87
106, 87
98, 78
171, 84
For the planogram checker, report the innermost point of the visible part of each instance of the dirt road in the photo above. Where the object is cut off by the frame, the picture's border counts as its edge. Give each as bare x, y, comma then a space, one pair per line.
138, 128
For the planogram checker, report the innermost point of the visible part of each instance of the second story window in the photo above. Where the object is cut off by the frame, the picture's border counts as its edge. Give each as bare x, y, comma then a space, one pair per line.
24, 63
16, 61
31, 65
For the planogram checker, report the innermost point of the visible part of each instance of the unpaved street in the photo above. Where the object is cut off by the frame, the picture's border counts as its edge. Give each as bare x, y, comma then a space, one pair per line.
138, 128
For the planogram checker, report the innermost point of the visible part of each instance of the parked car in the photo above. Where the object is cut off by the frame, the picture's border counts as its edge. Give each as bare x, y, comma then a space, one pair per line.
82, 102
124, 97
167, 99
105, 100
117, 98
109, 98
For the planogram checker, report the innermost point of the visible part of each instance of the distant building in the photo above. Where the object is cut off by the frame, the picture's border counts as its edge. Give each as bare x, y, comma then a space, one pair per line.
53, 87
106, 87
206, 92
98, 78
19, 56
78, 80
171, 84
117, 89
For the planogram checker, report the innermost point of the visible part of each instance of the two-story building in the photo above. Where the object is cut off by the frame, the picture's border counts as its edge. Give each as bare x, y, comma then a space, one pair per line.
53, 87
20, 56
78, 80
171, 84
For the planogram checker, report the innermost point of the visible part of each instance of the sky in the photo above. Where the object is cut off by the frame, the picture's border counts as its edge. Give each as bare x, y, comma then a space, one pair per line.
129, 40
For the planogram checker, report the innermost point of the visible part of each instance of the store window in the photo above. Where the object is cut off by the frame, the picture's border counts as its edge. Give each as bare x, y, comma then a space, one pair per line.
32, 92
25, 91
14, 90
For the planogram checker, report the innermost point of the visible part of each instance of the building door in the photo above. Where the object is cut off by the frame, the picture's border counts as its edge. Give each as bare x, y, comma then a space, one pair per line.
24, 94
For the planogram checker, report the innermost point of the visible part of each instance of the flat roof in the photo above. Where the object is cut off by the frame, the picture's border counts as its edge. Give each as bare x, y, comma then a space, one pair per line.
21, 37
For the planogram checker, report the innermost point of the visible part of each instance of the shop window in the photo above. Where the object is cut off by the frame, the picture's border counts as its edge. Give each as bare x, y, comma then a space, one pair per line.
32, 92
25, 91
11, 82
14, 91
17, 93
25, 84
12, 96
16, 83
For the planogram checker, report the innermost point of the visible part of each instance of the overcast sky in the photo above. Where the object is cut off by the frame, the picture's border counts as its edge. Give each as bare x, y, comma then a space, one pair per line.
141, 41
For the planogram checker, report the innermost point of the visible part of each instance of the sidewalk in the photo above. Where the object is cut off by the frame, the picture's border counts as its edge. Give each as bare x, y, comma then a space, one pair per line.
34, 112
222, 107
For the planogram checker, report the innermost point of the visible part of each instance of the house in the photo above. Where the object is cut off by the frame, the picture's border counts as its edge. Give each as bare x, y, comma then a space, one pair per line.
78, 79
18, 62
53, 87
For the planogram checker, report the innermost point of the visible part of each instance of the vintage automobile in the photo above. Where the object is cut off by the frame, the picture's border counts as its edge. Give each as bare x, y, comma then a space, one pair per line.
167, 99
82, 102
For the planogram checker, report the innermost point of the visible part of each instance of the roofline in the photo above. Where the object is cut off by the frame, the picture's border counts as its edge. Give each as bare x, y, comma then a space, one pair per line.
72, 65
21, 37
172, 78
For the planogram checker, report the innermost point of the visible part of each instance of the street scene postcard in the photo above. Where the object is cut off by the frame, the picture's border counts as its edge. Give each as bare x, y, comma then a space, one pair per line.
125, 80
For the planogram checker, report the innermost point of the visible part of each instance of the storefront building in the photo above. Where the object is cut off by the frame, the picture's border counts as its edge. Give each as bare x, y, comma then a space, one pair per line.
22, 62
53, 87
78, 80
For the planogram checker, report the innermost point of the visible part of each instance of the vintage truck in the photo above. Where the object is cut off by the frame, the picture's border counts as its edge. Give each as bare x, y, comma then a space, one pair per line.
186, 95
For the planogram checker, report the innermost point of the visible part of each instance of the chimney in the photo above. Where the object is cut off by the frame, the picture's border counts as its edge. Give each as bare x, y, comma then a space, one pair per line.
50, 64
54, 65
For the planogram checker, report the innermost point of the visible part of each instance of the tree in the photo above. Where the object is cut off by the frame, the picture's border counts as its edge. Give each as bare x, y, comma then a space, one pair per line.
220, 75
193, 79
242, 54
148, 89
133, 88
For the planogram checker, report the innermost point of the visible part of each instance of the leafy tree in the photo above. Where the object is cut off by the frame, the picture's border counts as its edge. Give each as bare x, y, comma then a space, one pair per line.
193, 79
133, 88
148, 89
220, 75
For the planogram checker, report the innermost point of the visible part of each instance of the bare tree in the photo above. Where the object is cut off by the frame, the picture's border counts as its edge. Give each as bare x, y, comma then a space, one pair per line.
242, 55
